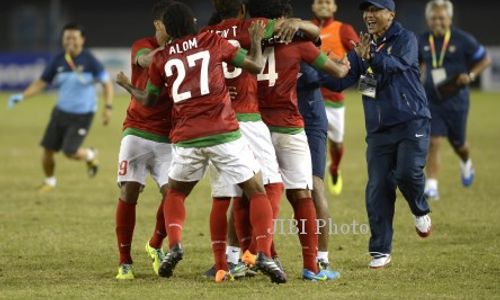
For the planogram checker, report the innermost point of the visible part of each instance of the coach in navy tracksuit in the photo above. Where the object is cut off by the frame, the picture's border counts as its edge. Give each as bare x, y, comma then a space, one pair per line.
312, 109
397, 119
452, 57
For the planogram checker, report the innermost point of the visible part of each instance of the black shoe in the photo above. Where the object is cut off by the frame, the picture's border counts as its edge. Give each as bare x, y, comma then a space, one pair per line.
278, 263
267, 266
170, 261
210, 273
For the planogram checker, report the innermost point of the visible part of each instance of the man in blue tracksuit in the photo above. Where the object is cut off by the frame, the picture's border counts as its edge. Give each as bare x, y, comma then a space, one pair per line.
448, 55
397, 119
312, 109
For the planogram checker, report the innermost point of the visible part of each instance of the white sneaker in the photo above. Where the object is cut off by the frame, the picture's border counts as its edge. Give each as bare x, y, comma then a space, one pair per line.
423, 225
380, 261
432, 194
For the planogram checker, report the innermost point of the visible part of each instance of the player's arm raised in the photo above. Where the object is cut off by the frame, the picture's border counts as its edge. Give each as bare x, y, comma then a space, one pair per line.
337, 68
146, 57
145, 97
253, 62
286, 29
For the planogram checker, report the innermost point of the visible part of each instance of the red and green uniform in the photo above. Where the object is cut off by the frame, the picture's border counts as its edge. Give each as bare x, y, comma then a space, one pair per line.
246, 103
152, 123
336, 39
191, 70
278, 101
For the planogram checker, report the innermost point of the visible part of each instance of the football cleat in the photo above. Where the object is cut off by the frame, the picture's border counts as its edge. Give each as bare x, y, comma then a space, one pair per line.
311, 276
210, 273
248, 258
423, 225
335, 184
238, 270
125, 272
267, 266
156, 256
93, 165
468, 179
222, 276
45, 188
170, 261
380, 261
324, 268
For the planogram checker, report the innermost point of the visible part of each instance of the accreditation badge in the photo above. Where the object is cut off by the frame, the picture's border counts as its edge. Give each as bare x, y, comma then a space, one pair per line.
438, 76
368, 86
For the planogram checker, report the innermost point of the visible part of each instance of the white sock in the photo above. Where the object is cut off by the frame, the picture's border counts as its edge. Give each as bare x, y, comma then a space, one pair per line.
233, 254
466, 168
52, 181
323, 255
90, 155
431, 184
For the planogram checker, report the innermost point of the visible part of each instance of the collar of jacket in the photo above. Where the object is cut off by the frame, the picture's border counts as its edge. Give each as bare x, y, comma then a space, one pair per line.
392, 32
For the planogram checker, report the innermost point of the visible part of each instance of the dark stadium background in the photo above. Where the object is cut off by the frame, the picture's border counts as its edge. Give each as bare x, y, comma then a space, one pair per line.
34, 25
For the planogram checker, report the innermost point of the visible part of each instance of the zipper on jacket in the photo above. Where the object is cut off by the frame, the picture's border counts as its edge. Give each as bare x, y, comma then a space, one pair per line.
408, 104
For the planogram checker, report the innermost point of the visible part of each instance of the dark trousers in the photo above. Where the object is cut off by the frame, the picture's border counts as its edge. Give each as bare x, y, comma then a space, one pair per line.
396, 158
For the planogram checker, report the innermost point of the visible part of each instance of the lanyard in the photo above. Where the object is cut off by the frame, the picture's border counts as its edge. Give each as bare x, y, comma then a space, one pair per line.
73, 67
432, 44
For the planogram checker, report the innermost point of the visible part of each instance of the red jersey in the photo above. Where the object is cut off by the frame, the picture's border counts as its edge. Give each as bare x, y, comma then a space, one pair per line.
156, 119
278, 83
191, 69
236, 32
336, 38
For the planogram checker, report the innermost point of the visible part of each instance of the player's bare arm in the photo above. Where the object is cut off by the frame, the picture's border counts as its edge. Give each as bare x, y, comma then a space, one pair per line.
287, 28
337, 68
142, 96
146, 58
254, 62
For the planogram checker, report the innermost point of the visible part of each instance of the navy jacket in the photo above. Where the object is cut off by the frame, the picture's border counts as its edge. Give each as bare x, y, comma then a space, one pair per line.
463, 52
400, 94
311, 105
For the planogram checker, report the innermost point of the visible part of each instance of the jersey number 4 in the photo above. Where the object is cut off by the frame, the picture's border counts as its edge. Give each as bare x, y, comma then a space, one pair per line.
192, 59
270, 66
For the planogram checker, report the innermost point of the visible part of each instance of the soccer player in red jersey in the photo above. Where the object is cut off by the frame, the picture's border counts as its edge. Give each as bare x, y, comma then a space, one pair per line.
277, 87
205, 128
145, 148
234, 27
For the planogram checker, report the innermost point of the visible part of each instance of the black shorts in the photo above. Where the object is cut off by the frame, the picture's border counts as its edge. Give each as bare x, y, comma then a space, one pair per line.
66, 131
316, 138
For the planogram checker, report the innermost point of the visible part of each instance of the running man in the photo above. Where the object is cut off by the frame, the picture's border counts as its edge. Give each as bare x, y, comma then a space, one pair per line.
446, 54
75, 71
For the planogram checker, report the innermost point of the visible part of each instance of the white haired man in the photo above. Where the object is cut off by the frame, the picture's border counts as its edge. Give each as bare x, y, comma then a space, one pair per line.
451, 60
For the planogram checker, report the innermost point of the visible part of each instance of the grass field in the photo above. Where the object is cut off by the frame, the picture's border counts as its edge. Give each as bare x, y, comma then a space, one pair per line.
62, 245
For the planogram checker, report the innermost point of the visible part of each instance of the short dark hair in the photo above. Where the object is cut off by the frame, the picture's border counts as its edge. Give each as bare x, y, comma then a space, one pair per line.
159, 9
74, 26
227, 8
215, 19
271, 9
179, 20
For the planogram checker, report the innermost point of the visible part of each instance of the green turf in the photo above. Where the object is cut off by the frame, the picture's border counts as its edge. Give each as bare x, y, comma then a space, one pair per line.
62, 245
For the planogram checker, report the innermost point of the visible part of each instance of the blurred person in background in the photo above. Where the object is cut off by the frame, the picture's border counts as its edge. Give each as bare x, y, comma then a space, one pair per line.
74, 71
451, 60
336, 38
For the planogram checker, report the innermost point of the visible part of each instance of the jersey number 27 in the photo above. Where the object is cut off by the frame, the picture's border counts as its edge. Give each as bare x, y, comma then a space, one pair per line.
192, 59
